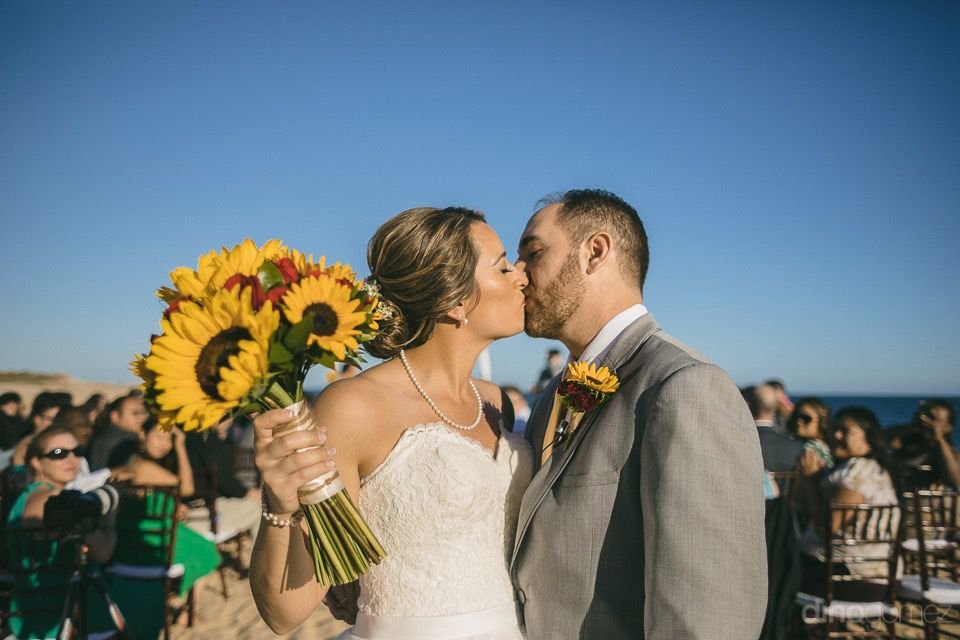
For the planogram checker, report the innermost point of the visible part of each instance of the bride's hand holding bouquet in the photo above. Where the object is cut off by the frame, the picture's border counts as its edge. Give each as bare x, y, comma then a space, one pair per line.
239, 335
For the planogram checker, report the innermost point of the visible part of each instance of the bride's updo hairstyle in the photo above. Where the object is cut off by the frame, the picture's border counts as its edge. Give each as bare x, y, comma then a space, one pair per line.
425, 262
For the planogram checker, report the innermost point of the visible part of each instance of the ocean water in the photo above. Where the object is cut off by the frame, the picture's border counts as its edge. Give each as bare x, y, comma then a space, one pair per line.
891, 410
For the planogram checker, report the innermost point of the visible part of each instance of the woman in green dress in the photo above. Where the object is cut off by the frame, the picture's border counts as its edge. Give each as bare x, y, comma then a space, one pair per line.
162, 460
53, 460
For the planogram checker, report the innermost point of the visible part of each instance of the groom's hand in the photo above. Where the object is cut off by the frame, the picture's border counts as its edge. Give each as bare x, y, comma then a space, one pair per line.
342, 602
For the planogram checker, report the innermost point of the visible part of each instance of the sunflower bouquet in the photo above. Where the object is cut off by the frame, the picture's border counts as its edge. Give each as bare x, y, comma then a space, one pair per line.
239, 334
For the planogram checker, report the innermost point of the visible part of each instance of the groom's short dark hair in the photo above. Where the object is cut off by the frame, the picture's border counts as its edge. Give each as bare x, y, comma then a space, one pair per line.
586, 211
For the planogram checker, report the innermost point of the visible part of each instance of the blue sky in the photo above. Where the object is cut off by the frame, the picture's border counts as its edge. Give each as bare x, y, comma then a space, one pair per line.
797, 167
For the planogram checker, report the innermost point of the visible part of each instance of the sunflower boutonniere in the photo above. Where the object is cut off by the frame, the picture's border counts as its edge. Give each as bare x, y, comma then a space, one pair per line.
585, 388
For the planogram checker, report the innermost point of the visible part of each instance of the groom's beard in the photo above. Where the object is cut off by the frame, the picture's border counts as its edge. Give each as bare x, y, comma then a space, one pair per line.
551, 305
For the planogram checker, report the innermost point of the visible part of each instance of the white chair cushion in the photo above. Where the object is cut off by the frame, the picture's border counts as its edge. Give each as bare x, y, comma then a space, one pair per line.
146, 573
842, 609
940, 591
913, 545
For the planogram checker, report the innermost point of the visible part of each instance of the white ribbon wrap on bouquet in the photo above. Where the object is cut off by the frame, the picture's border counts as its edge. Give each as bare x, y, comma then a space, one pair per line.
320, 488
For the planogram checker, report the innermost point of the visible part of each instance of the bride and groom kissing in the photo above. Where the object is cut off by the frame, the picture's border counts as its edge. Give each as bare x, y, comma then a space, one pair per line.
646, 521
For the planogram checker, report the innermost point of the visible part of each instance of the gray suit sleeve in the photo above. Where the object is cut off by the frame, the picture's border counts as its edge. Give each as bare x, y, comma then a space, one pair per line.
702, 499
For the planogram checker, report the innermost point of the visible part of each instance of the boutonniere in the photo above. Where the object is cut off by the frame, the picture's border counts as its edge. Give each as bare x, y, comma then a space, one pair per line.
585, 388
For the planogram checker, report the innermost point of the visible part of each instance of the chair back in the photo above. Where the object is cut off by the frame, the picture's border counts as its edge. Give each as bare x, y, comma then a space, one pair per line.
38, 565
146, 525
933, 516
245, 468
863, 535
786, 482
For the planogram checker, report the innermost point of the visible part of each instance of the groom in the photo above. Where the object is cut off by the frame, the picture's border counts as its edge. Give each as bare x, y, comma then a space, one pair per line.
647, 520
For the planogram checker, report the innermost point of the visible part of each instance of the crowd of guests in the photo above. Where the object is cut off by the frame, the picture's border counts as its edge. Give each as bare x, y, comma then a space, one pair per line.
844, 457
56, 445
840, 456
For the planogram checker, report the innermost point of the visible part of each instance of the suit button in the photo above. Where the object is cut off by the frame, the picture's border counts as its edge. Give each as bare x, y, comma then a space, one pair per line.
521, 596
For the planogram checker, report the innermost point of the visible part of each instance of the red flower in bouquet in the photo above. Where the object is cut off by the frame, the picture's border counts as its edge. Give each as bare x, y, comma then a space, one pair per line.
288, 270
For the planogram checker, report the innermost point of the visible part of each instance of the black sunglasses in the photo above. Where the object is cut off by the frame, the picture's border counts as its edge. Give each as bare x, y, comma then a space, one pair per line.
803, 418
60, 453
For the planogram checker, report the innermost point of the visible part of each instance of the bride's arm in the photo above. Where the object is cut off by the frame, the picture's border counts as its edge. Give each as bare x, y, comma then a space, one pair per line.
281, 566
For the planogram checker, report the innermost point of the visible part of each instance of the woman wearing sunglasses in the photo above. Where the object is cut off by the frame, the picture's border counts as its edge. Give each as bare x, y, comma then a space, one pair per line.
53, 459
809, 422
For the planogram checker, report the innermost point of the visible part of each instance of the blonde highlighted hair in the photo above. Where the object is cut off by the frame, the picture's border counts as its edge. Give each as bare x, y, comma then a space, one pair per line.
425, 262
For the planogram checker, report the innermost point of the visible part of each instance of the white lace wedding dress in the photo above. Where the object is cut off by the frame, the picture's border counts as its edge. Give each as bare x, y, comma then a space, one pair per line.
445, 509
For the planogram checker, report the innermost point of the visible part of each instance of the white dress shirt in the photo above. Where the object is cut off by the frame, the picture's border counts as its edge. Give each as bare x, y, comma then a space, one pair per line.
600, 346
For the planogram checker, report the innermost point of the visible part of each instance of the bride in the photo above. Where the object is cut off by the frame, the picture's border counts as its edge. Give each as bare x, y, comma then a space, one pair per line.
422, 448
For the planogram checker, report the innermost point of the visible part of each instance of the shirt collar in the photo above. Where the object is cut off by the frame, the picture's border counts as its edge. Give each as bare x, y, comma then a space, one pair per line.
764, 423
598, 348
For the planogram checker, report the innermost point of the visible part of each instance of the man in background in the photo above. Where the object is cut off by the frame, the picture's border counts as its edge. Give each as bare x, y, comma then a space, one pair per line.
923, 448
552, 369
784, 405
780, 453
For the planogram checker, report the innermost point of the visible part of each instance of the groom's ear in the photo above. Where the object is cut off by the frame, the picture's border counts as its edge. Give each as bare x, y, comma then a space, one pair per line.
598, 249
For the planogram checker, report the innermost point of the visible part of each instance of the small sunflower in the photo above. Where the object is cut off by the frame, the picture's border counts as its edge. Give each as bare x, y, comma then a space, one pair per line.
598, 379
187, 285
337, 271
166, 419
209, 358
244, 259
337, 318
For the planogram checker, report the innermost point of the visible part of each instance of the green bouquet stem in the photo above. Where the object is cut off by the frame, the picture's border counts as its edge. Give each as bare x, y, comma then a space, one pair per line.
342, 544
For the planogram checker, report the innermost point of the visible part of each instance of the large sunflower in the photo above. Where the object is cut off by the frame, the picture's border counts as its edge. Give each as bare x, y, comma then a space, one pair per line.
209, 358
337, 319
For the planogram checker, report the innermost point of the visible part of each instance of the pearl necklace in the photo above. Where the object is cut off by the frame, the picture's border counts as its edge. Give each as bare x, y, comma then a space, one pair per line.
433, 405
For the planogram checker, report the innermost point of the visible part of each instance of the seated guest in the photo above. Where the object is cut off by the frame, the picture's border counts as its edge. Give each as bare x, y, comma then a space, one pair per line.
77, 419
42, 414
53, 459
809, 423
12, 427
926, 442
148, 465
521, 408
779, 452
94, 406
237, 505
860, 476
116, 437
62, 399
784, 404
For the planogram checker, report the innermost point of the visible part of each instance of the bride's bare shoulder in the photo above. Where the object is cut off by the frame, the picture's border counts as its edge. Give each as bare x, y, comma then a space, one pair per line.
491, 393
362, 399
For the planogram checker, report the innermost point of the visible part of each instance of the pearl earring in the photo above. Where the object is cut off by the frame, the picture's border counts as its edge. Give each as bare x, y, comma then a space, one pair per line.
466, 320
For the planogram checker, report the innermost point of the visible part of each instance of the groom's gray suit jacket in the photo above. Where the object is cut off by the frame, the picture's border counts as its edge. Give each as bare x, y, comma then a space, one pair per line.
649, 523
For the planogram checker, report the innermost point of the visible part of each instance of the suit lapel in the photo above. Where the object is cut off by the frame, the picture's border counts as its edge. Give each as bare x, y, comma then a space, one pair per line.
621, 360
539, 417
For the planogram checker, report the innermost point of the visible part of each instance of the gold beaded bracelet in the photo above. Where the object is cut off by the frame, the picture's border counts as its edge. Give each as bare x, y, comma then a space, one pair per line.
274, 519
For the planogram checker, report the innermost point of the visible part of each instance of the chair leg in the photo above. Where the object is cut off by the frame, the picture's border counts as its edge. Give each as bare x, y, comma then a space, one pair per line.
931, 621
222, 570
166, 617
191, 604
891, 630
242, 569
